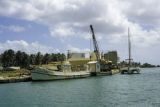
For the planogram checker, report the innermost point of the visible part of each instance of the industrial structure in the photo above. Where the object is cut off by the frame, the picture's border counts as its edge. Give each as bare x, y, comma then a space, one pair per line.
75, 55
111, 56
101, 65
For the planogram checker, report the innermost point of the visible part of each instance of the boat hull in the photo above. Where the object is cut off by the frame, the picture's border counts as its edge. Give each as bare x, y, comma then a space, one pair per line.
44, 75
103, 73
132, 70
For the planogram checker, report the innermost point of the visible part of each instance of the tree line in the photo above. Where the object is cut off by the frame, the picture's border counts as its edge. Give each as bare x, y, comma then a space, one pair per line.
18, 58
144, 65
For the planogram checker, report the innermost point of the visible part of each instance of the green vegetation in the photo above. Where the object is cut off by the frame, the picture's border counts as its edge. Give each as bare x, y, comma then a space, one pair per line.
124, 63
11, 58
158, 65
23, 60
138, 64
15, 73
147, 65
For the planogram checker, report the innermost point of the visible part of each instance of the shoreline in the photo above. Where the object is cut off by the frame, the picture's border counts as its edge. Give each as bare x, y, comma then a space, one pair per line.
12, 76
27, 78
23, 78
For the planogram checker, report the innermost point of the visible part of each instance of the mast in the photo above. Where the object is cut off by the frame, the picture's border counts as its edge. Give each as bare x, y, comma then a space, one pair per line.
129, 48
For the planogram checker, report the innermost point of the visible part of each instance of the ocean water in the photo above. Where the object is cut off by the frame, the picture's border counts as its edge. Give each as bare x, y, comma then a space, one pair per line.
137, 90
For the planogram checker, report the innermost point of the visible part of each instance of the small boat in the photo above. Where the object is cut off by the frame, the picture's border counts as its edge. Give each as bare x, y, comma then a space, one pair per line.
64, 72
129, 69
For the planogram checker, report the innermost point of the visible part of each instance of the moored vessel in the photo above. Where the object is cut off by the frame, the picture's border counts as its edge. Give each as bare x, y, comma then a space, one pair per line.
64, 72
129, 68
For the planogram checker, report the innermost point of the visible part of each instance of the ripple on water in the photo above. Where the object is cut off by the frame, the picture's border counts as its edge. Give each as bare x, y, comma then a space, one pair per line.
107, 91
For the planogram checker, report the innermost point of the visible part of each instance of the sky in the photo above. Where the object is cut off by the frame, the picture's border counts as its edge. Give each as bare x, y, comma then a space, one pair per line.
60, 25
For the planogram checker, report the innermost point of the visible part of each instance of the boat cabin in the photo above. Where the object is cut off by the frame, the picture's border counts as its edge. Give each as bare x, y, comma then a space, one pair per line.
94, 66
66, 66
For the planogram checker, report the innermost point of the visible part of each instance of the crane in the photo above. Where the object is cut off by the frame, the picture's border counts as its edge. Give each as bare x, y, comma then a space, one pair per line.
104, 66
95, 44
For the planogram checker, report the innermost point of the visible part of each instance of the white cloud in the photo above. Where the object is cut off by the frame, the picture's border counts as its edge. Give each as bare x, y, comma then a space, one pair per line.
110, 19
13, 28
76, 49
19, 9
146, 12
22, 45
62, 31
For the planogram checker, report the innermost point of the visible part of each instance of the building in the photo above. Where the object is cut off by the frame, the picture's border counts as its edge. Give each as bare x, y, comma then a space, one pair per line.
76, 55
78, 60
111, 56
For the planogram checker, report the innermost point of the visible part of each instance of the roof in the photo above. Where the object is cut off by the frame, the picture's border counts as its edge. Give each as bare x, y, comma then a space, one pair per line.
66, 63
92, 62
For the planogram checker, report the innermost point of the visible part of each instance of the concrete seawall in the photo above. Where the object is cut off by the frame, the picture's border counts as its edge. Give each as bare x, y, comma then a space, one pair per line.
23, 78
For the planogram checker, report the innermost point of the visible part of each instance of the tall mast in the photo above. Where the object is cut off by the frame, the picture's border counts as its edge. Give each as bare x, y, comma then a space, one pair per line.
129, 48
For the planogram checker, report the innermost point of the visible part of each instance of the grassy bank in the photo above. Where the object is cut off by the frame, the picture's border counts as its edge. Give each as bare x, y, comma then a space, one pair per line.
21, 75
15, 73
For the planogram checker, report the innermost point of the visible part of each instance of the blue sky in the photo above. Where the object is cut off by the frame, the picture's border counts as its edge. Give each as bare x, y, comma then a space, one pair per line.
61, 25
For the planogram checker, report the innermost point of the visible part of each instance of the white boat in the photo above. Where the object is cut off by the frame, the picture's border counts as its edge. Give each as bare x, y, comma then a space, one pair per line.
129, 69
42, 73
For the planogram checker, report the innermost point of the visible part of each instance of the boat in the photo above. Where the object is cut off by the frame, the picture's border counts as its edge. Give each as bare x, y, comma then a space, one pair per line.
129, 69
63, 72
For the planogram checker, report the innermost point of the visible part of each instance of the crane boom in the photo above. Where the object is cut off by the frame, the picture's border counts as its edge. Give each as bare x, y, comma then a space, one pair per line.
95, 44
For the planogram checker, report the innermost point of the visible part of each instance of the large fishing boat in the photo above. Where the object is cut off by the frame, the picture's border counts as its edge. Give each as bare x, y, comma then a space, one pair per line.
63, 72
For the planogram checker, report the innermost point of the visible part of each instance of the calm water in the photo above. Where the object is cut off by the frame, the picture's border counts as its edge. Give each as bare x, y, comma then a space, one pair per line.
107, 91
